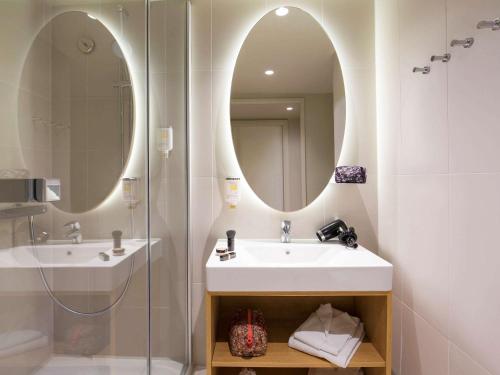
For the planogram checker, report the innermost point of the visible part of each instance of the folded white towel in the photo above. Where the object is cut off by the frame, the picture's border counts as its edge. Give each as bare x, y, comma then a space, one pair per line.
13, 338
24, 347
345, 355
335, 371
327, 329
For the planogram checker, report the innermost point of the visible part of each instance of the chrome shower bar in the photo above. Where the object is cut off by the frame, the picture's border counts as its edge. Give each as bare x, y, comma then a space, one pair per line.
493, 24
466, 43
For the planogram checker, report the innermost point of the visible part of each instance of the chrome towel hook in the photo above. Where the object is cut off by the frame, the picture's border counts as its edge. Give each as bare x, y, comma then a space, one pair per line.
444, 58
493, 24
424, 70
466, 43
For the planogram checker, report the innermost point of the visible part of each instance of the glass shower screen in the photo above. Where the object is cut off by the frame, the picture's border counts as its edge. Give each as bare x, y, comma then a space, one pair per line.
94, 279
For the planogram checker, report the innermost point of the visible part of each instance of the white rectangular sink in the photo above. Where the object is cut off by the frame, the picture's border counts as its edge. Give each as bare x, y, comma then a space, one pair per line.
300, 266
73, 267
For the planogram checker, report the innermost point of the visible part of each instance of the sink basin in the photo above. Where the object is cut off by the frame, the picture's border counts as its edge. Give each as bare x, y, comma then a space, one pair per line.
64, 254
300, 266
72, 267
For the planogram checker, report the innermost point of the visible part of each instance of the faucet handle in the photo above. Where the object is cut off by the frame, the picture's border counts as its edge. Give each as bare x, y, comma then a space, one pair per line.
43, 237
286, 226
73, 225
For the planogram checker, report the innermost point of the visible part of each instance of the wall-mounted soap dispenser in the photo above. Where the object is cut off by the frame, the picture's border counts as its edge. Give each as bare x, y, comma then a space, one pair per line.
165, 141
130, 187
232, 192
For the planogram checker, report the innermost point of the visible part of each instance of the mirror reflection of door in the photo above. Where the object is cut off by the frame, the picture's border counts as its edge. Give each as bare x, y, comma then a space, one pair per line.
287, 109
261, 145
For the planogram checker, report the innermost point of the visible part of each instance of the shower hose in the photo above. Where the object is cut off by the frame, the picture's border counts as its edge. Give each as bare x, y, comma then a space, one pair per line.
56, 300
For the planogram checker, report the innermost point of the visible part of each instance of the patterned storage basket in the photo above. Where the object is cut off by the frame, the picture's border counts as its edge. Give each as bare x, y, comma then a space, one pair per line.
248, 334
350, 175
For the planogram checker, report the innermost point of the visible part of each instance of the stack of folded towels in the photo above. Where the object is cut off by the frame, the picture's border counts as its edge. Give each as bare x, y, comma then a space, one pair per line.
330, 334
16, 342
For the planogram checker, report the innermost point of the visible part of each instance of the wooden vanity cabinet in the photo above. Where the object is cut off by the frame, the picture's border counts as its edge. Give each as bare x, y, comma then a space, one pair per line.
284, 312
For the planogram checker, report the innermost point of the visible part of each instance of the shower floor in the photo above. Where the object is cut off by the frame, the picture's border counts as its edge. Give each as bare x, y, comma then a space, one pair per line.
64, 365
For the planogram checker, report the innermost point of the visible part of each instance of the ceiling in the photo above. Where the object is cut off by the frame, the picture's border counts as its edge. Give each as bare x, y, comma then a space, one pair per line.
298, 50
267, 111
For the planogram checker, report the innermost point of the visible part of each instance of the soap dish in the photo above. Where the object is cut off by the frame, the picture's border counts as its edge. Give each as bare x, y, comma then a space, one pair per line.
119, 252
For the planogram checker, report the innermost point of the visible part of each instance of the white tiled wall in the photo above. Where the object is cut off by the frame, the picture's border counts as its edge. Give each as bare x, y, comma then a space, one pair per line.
438, 183
218, 29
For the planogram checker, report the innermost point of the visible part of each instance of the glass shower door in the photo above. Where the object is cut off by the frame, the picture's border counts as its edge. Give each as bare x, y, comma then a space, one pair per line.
92, 272
168, 185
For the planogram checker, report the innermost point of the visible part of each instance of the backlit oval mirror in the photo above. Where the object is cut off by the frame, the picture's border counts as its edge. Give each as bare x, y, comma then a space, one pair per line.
287, 109
78, 83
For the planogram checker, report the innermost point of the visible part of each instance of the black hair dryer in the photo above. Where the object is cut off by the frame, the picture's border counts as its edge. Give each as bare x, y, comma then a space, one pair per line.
338, 228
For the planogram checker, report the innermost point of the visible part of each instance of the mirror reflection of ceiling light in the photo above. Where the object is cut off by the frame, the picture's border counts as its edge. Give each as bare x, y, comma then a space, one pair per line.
281, 11
269, 72
289, 108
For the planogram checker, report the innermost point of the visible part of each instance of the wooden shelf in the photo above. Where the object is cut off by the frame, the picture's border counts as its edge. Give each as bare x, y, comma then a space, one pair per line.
279, 354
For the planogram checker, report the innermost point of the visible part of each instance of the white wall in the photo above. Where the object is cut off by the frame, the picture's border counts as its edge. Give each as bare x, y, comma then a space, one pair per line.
438, 183
219, 28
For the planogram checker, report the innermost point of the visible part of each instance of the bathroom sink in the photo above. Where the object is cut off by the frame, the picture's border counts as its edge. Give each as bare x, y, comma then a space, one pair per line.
302, 265
64, 254
73, 267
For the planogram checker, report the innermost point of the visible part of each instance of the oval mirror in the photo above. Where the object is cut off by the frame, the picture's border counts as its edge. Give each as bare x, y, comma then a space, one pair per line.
287, 109
77, 81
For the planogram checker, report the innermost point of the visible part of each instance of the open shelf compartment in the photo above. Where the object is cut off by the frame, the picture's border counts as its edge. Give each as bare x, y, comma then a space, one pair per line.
284, 312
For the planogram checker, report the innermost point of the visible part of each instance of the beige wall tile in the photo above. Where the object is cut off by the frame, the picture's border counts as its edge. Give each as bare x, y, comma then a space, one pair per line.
473, 312
202, 134
423, 242
201, 225
397, 335
201, 35
425, 350
354, 41
198, 324
462, 364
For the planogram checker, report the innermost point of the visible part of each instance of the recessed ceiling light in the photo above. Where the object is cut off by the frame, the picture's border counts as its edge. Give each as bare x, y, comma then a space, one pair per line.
281, 11
91, 16
289, 108
269, 72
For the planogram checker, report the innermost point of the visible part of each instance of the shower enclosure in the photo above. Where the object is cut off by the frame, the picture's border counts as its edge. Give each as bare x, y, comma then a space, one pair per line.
93, 187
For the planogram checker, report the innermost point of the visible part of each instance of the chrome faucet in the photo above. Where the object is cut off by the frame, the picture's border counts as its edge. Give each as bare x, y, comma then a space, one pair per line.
42, 237
73, 232
286, 227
